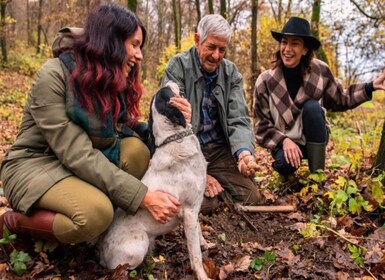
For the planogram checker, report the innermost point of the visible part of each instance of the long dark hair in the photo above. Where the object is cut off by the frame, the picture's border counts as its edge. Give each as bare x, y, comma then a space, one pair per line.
304, 63
100, 54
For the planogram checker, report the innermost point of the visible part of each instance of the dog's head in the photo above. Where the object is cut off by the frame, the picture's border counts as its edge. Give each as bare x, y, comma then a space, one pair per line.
164, 119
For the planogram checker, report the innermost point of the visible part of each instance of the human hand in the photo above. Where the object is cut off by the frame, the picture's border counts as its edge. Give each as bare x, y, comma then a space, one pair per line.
379, 82
162, 206
182, 105
246, 164
213, 188
292, 153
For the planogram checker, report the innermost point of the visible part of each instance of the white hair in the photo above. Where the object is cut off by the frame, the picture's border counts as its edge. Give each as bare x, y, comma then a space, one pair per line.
215, 25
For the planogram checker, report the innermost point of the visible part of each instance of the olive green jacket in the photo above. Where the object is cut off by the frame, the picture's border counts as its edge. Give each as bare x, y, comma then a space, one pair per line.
183, 69
50, 147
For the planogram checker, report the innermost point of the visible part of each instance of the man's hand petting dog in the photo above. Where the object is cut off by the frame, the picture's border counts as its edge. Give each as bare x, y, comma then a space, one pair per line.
162, 206
182, 105
213, 188
246, 164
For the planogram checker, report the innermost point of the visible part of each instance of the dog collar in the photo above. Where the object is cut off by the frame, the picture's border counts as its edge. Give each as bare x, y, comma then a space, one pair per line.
176, 137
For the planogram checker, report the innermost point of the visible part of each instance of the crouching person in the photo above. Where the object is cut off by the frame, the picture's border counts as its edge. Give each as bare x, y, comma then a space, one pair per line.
80, 150
289, 99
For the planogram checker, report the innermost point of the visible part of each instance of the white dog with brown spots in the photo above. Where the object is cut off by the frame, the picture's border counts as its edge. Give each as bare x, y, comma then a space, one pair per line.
177, 167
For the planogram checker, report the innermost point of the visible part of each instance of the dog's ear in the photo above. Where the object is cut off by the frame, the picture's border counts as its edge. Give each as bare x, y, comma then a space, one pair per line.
163, 106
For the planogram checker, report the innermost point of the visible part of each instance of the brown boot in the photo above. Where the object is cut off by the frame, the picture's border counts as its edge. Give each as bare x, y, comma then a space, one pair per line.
38, 225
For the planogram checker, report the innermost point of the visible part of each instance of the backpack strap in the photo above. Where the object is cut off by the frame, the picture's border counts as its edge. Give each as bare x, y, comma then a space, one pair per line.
68, 61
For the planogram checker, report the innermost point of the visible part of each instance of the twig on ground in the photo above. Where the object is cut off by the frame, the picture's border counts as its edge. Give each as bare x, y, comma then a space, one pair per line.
266, 208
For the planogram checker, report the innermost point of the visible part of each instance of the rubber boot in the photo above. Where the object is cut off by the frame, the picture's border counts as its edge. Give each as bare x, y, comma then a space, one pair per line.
38, 225
316, 156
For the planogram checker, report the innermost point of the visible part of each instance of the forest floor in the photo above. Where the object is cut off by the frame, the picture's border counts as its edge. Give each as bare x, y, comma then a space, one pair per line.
316, 241
268, 239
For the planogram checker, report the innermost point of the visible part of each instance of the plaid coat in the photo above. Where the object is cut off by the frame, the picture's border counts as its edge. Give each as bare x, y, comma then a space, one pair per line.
270, 92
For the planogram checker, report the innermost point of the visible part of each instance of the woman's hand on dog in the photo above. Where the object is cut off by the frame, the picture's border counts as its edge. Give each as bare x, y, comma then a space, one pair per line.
182, 105
213, 188
162, 206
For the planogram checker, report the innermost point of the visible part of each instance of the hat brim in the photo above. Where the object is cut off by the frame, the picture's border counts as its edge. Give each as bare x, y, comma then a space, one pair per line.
311, 41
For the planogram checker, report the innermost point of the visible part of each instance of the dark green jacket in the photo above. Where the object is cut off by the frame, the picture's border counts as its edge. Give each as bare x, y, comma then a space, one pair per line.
233, 113
50, 147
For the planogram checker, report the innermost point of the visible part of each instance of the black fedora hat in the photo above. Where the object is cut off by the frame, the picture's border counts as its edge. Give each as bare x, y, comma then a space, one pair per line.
300, 27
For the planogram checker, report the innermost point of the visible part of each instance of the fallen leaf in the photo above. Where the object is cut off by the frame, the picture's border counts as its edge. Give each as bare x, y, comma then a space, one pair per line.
342, 260
345, 221
211, 269
374, 255
298, 226
297, 216
270, 196
332, 222
225, 271
341, 275
242, 263
256, 245
288, 256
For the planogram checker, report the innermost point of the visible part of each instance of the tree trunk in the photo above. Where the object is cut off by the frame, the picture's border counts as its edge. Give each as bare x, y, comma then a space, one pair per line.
380, 159
279, 17
211, 6
39, 27
146, 47
315, 18
254, 58
3, 40
132, 5
223, 9
177, 24
288, 10
198, 9
29, 30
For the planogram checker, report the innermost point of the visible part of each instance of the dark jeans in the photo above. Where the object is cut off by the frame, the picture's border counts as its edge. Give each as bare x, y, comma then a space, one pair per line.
314, 129
222, 166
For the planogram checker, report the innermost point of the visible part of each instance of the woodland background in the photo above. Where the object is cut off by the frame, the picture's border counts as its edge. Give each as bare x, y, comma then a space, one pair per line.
338, 229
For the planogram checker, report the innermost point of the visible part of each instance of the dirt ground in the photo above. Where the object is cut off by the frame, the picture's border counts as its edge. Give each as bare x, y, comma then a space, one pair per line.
239, 238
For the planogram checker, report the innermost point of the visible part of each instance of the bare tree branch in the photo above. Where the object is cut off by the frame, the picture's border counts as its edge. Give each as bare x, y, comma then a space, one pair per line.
365, 13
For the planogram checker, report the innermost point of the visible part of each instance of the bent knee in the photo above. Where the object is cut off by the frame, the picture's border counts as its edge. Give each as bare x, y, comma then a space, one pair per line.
134, 157
85, 226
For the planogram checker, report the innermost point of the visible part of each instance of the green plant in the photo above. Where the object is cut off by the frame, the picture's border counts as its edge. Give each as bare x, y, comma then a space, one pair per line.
347, 198
222, 237
296, 247
377, 188
18, 262
45, 246
133, 273
259, 263
310, 230
356, 253
18, 259
7, 237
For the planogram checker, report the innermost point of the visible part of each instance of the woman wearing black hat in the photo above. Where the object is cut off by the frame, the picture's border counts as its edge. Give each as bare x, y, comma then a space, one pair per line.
288, 113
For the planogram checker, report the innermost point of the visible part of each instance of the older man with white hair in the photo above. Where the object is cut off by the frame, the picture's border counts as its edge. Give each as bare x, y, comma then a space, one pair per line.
219, 114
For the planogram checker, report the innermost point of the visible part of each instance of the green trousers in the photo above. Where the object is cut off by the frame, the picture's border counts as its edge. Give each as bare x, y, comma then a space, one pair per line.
237, 187
83, 211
